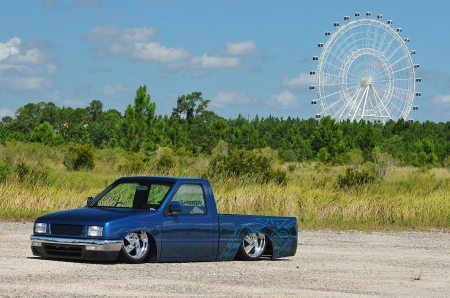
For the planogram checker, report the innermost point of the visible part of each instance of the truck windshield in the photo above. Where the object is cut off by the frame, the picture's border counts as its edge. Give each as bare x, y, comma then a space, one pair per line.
135, 195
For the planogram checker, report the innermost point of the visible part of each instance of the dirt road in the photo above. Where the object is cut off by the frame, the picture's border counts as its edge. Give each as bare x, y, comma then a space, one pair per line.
327, 264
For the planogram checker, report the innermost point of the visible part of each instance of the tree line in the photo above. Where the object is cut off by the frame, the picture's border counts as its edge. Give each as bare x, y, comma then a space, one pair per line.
193, 129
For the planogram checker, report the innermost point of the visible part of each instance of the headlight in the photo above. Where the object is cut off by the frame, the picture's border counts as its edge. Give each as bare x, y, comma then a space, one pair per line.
40, 228
95, 231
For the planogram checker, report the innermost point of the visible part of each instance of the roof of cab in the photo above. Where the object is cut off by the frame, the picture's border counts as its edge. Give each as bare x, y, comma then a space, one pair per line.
172, 179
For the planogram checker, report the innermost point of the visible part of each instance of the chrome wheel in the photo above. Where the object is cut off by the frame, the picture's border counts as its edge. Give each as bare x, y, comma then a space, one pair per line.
253, 246
135, 247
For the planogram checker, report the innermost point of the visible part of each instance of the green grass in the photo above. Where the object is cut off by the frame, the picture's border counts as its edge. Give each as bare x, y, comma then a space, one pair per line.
407, 198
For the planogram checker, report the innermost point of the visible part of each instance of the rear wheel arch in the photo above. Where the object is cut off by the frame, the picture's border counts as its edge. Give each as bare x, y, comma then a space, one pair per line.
269, 247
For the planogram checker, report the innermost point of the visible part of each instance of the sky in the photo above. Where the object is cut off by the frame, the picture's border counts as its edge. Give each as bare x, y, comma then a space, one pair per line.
247, 57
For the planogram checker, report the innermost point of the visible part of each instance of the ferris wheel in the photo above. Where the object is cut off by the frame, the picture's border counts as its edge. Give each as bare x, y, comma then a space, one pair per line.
365, 72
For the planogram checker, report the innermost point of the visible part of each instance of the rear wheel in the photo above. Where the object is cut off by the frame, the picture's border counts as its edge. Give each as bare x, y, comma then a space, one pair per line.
252, 247
134, 247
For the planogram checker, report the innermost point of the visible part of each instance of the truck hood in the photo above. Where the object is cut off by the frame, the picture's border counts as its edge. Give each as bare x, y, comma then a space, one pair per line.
91, 215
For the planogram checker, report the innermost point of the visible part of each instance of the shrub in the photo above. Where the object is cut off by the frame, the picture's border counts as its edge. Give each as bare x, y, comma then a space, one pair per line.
79, 157
22, 170
277, 176
132, 165
44, 134
241, 162
383, 161
289, 156
292, 167
221, 148
323, 155
183, 152
352, 178
5, 169
165, 161
32, 175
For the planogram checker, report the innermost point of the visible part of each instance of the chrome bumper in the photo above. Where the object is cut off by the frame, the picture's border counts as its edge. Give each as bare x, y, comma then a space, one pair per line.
91, 244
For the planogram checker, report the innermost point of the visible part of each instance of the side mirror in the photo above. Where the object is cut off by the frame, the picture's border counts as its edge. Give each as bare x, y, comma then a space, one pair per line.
175, 206
89, 200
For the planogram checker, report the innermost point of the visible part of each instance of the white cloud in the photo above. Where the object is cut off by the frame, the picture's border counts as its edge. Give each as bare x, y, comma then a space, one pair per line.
116, 34
227, 99
65, 99
11, 47
135, 43
22, 78
16, 72
152, 51
303, 80
206, 61
284, 101
51, 69
23, 83
243, 48
6, 112
111, 90
33, 56
441, 99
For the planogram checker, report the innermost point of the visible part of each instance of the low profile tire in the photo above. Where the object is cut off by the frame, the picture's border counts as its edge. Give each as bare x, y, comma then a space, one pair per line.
135, 248
252, 247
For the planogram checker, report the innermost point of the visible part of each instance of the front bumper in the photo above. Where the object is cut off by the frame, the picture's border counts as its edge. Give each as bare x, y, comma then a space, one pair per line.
76, 249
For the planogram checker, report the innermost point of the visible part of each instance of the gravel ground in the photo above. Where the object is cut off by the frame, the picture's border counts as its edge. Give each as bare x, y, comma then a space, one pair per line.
327, 264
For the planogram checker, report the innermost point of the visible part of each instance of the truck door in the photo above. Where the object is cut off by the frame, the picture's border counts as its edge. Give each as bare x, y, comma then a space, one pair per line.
191, 233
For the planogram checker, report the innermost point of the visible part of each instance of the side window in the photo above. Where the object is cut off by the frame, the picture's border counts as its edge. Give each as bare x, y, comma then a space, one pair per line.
157, 194
192, 197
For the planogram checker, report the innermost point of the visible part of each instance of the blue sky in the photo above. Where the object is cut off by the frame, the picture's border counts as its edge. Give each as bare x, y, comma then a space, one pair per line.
248, 57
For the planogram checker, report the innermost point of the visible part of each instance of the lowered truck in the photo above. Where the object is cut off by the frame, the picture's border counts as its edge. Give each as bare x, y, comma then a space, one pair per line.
160, 219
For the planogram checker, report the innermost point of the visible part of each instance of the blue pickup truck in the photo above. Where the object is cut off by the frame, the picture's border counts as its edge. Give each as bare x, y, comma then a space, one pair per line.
160, 219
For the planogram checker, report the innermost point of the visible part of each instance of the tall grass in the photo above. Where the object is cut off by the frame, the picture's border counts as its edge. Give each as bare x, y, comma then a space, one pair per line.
406, 198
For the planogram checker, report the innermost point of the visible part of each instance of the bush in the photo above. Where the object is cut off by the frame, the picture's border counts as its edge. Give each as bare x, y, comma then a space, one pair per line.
292, 167
241, 162
289, 156
277, 176
165, 161
352, 178
5, 169
79, 157
133, 164
323, 155
26, 173
221, 148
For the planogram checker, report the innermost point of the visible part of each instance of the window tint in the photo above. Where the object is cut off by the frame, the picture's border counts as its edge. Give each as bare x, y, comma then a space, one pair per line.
134, 195
157, 193
123, 193
192, 197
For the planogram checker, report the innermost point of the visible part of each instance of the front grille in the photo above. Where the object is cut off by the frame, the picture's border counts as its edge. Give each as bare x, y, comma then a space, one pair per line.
63, 250
66, 230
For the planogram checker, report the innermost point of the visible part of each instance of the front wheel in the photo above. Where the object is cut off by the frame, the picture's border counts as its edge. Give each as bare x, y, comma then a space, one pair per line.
252, 247
134, 247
